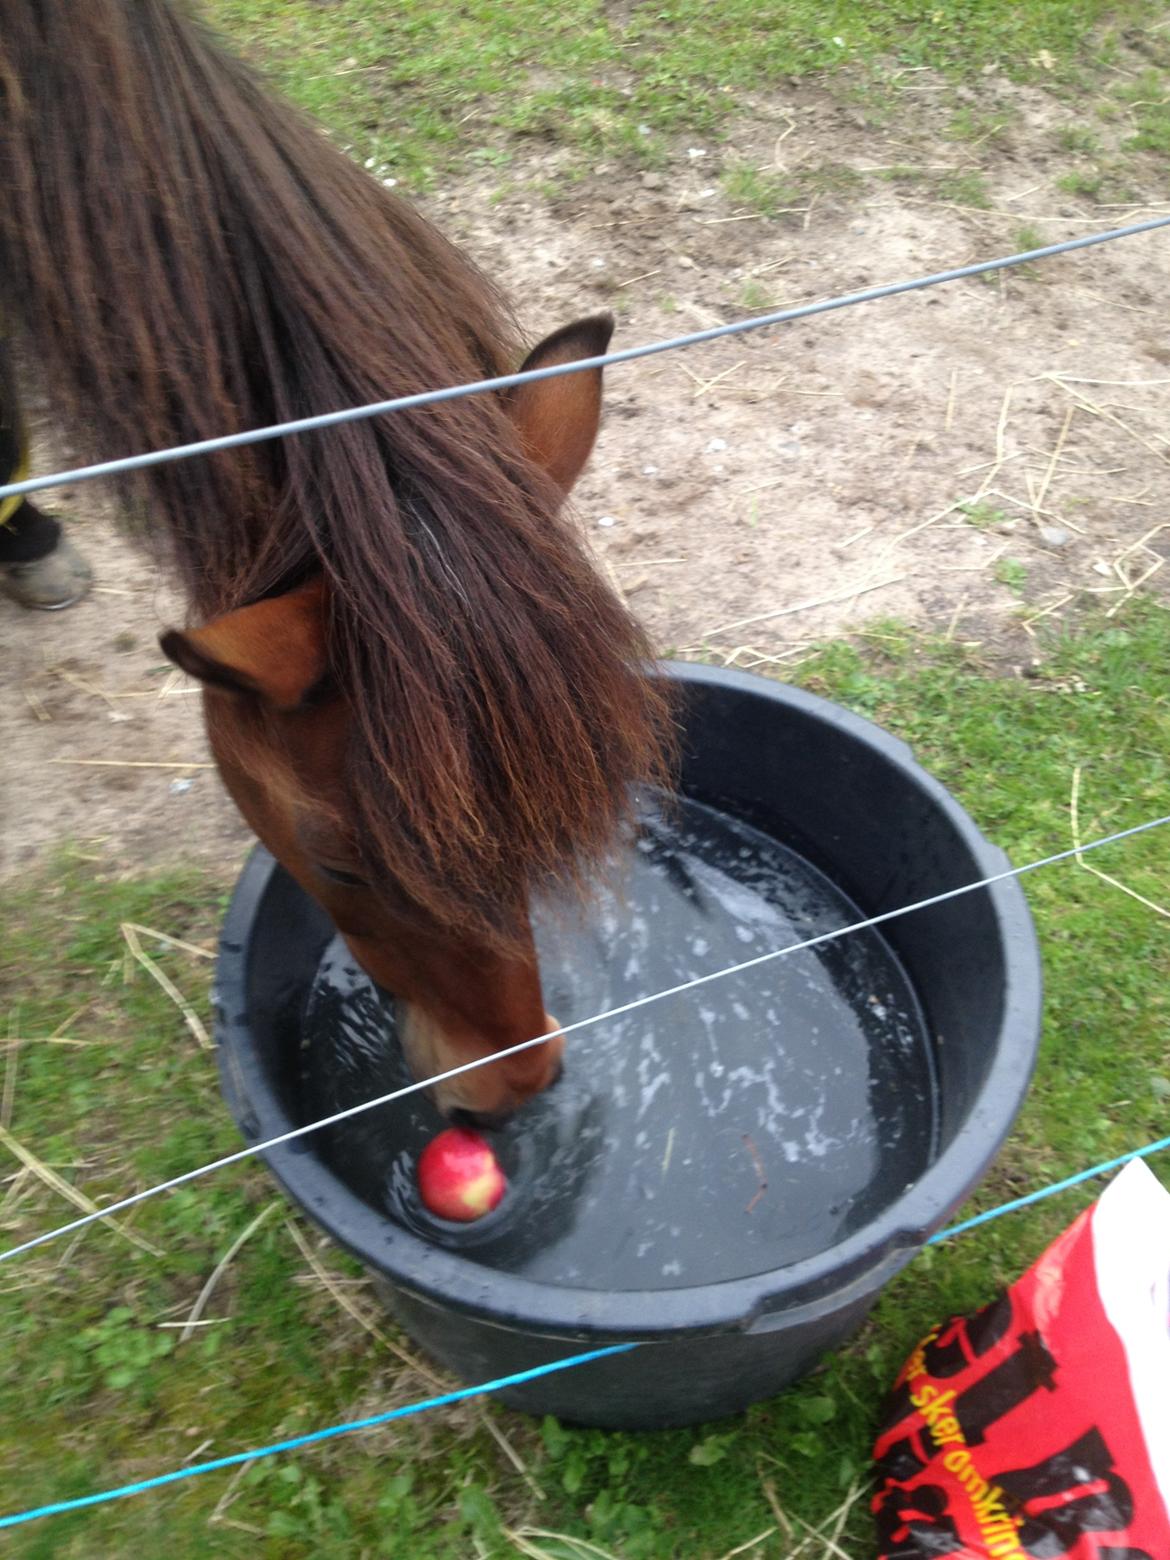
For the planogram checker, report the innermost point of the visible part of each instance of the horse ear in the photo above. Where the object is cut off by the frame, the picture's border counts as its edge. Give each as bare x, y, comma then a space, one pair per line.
558, 418
275, 648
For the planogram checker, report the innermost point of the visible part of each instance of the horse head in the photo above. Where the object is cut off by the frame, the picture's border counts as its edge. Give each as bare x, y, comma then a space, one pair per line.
421, 692
280, 726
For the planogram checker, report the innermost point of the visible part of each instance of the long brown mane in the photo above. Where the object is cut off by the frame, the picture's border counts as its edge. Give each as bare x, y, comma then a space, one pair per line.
187, 256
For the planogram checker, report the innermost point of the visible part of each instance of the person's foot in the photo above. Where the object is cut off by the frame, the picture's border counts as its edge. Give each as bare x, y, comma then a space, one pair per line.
58, 580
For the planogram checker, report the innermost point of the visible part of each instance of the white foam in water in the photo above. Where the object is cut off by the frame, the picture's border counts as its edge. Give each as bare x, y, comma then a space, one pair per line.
642, 1169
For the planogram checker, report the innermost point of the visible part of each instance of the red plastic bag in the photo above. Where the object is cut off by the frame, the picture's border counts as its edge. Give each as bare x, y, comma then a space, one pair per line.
1039, 1428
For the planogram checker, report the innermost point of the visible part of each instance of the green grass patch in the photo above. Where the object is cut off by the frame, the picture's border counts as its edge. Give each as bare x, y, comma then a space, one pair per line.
905, 173
1078, 138
982, 127
965, 189
776, 195
982, 514
769, 193
1082, 181
1012, 573
95, 1390
412, 86
1144, 102
755, 298
1153, 129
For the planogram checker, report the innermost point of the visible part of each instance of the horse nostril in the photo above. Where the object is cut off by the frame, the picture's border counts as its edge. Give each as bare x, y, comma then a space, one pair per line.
480, 1120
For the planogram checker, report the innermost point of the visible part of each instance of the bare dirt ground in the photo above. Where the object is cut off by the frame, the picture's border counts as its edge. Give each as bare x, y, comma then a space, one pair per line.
979, 459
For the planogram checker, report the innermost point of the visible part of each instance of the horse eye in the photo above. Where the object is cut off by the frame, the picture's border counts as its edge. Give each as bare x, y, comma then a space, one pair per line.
346, 879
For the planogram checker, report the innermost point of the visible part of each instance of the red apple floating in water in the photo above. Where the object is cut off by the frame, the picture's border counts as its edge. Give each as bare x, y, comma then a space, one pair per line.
459, 1177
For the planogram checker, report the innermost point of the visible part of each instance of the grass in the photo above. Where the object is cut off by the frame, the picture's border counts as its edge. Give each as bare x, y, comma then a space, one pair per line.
417, 84
95, 1386
94, 1390
980, 127
1077, 138
754, 297
769, 193
1012, 573
982, 514
775, 195
1082, 181
968, 188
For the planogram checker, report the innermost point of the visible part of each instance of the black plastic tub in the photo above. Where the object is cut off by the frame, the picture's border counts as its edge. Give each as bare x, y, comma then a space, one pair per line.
851, 802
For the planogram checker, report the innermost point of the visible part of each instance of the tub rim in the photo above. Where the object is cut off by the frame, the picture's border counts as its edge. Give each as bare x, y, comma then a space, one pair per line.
864, 1261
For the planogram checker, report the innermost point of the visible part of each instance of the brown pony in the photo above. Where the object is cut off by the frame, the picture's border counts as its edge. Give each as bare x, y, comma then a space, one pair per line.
418, 690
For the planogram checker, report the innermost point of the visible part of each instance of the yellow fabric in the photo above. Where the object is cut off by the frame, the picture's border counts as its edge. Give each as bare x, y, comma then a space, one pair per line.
9, 506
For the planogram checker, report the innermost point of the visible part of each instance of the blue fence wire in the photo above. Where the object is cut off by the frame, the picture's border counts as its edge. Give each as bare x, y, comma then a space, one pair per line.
1051, 1190
331, 1432
402, 403
313, 1437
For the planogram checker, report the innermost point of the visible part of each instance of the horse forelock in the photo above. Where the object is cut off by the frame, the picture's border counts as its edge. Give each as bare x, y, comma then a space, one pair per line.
190, 256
